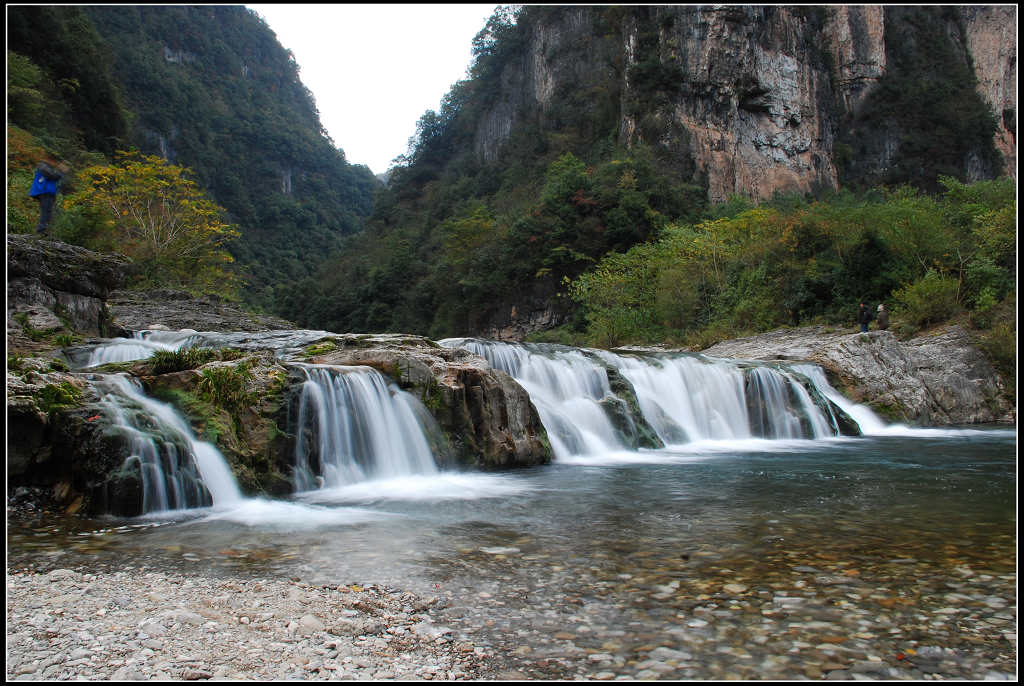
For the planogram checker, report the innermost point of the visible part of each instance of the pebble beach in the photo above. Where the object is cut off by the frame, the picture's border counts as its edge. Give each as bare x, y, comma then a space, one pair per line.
137, 625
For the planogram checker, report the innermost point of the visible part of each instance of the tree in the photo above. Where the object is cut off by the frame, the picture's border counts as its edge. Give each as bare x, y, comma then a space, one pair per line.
148, 209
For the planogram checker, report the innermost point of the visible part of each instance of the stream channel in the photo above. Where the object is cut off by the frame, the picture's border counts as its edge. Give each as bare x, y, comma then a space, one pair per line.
719, 558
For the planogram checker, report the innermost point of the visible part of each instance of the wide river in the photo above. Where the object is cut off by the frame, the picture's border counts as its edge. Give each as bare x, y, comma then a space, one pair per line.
741, 559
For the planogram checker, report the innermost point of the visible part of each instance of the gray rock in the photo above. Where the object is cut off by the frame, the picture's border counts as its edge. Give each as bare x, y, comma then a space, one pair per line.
938, 379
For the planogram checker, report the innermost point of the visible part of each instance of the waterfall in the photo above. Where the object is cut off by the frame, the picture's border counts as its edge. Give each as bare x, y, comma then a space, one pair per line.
565, 386
684, 397
177, 470
142, 345
687, 398
867, 420
356, 426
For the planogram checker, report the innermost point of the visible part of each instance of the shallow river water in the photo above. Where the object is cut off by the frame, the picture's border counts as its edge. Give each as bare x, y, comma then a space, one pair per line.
740, 559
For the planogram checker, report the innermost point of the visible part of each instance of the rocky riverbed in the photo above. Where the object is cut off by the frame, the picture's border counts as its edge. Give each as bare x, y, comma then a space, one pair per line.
801, 609
139, 624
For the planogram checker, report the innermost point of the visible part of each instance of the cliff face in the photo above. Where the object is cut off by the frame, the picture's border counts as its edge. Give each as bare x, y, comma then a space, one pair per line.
992, 42
748, 99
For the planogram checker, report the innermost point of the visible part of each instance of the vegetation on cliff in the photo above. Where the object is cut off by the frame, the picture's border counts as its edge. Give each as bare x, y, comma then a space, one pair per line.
924, 119
613, 235
457, 242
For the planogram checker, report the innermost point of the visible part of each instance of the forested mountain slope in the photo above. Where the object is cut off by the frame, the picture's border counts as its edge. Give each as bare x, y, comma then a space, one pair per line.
208, 88
583, 130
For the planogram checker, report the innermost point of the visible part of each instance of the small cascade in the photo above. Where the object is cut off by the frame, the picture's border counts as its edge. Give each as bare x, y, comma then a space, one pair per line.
177, 470
354, 425
688, 398
868, 421
567, 388
779, 407
142, 345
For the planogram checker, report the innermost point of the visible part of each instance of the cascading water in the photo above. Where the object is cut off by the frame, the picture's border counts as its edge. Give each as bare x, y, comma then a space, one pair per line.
356, 426
684, 398
566, 387
687, 398
867, 420
178, 471
142, 345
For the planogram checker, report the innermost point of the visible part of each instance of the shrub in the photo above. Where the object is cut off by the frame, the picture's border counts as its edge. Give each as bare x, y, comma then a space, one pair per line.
929, 300
225, 386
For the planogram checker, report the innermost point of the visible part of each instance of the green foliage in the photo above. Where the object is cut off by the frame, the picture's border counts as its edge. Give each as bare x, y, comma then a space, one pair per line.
170, 361
153, 212
790, 261
225, 386
998, 340
54, 397
928, 300
73, 99
208, 88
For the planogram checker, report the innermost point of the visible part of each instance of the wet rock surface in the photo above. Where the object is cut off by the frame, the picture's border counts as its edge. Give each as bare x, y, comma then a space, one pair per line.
936, 379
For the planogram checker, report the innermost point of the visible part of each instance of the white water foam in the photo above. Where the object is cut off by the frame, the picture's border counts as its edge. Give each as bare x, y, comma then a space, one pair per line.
422, 488
364, 428
284, 515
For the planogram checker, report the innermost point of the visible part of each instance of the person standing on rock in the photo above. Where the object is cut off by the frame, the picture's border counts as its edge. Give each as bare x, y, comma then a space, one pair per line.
863, 317
883, 317
44, 189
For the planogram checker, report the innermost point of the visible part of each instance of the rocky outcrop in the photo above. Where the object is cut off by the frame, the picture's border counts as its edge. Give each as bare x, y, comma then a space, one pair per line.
753, 96
55, 288
487, 417
61, 439
55, 442
856, 42
939, 379
170, 309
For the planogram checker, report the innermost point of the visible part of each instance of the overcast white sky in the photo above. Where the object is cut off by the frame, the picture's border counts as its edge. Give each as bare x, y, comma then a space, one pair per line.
375, 69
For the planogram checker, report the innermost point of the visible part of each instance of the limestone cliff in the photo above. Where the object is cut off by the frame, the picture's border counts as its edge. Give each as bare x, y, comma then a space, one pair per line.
747, 99
992, 41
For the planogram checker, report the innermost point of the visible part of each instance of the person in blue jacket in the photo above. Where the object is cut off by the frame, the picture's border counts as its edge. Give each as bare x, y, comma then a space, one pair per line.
44, 189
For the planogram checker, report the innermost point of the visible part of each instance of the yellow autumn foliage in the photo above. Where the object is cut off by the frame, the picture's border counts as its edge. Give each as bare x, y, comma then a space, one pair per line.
150, 210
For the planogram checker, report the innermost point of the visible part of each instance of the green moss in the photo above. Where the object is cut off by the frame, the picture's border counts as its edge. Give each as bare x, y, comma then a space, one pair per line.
888, 411
59, 396
203, 415
319, 348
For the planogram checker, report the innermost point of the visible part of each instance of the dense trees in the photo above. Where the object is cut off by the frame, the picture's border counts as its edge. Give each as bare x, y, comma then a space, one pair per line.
927, 257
